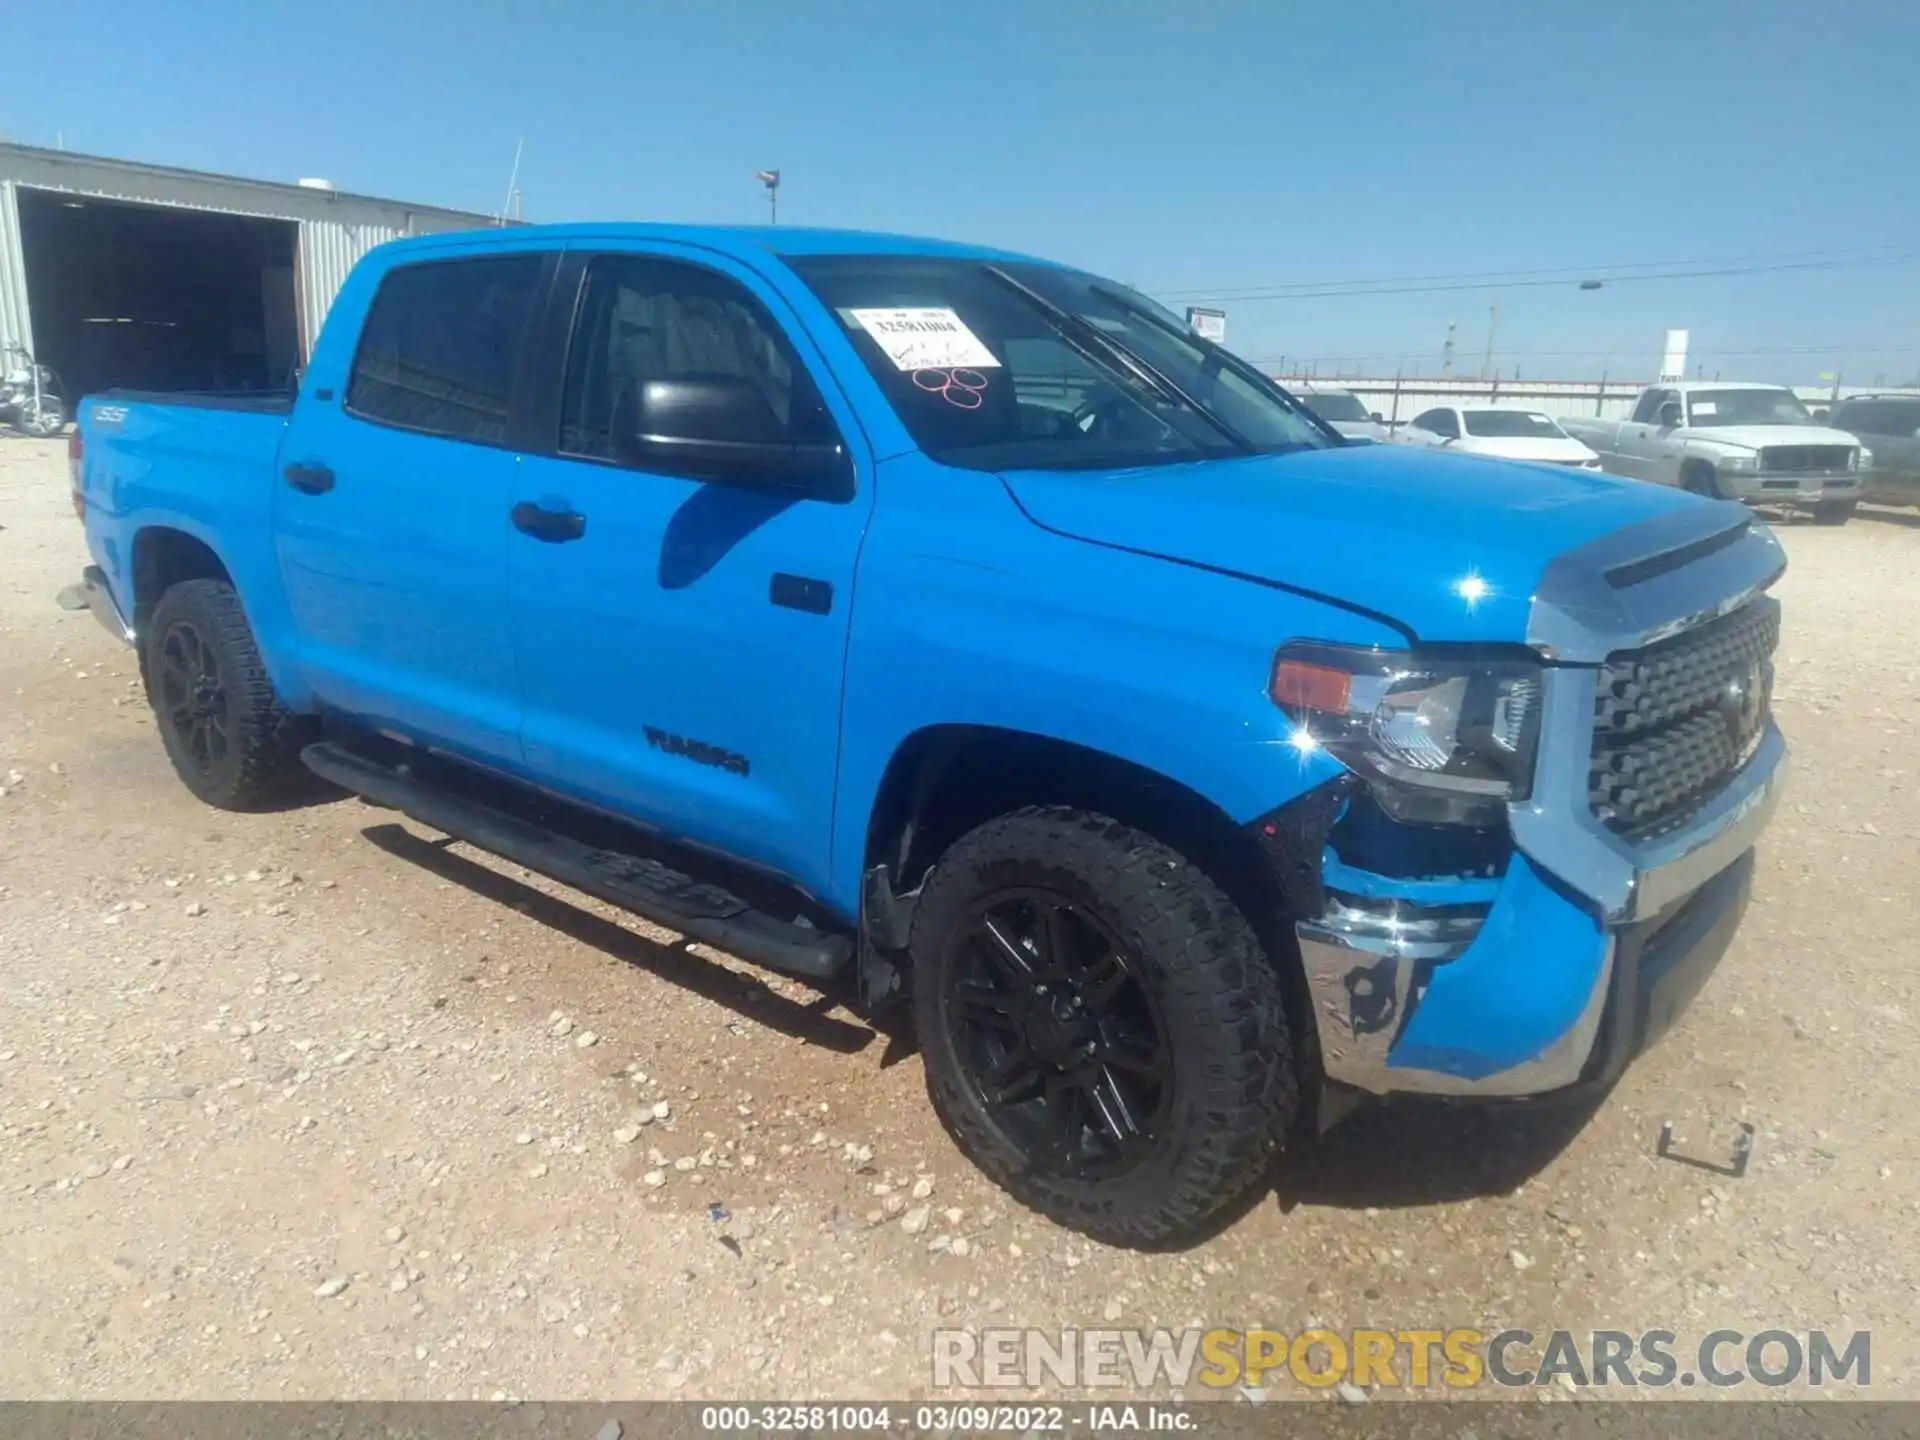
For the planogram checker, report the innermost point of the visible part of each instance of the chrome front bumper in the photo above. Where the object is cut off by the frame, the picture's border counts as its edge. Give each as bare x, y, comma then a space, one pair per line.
1793, 487
99, 595
1413, 998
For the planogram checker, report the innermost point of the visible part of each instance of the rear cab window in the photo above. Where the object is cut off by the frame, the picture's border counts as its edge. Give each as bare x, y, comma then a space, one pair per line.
441, 343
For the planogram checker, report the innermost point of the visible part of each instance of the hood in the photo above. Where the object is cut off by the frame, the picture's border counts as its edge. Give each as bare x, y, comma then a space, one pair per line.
1361, 430
1552, 448
1381, 528
1758, 437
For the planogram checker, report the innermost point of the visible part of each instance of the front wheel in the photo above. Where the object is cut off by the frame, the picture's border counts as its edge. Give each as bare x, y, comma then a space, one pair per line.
1834, 512
1700, 480
1103, 1034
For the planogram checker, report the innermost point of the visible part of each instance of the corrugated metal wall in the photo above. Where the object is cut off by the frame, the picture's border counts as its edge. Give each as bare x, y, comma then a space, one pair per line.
328, 250
335, 228
15, 326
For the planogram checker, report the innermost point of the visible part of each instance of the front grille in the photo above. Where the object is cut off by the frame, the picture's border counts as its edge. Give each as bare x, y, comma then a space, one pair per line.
1672, 723
1817, 459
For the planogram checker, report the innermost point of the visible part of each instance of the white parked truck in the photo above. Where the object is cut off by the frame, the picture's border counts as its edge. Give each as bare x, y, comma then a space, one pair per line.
1755, 443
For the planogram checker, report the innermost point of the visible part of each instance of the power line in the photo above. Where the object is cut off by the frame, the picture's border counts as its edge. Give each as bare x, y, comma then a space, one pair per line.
1518, 279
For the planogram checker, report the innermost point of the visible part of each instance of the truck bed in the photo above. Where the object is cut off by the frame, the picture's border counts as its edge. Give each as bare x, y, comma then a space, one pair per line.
198, 466
262, 402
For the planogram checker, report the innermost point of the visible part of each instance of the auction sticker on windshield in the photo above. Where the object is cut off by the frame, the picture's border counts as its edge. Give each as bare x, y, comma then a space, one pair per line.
925, 338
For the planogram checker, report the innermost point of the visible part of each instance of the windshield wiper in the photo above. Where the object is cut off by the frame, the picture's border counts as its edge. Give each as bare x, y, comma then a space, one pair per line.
1099, 348
1214, 351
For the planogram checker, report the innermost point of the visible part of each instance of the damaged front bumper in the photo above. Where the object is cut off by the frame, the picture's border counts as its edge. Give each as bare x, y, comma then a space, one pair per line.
1531, 990
1557, 950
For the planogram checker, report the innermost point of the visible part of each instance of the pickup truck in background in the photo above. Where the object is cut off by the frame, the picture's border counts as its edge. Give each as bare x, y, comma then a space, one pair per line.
1755, 443
951, 628
1889, 427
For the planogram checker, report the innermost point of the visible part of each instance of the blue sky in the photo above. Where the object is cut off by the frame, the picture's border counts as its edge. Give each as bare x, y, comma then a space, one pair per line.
1191, 146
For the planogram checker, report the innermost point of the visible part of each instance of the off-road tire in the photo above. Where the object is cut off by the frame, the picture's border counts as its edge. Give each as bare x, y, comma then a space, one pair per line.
1234, 1091
1834, 512
260, 761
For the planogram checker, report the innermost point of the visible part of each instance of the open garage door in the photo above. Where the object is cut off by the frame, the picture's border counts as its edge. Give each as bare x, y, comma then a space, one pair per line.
156, 297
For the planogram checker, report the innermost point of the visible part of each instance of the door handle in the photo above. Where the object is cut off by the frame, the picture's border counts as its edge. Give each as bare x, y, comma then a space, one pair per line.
554, 526
310, 478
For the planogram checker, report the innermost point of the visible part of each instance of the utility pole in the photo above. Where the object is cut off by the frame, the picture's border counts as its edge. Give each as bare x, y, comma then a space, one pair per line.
1493, 327
511, 208
1446, 352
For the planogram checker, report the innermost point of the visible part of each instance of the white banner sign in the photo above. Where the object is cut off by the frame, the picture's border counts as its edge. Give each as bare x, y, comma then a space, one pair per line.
925, 339
1673, 366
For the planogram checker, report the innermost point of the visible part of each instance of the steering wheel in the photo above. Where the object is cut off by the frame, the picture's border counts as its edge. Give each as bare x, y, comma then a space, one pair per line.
1106, 414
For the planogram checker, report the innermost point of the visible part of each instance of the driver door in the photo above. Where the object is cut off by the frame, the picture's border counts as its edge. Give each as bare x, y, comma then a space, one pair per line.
680, 638
1643, 439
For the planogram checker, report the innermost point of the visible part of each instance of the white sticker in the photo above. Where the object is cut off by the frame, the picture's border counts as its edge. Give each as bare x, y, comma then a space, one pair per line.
1705, 407
925, 339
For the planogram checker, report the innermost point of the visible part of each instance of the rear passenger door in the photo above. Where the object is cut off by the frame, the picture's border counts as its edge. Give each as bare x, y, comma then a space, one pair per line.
681, 622
391, 509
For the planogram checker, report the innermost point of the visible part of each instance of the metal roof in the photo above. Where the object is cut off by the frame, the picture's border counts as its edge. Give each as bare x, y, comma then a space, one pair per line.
40, 156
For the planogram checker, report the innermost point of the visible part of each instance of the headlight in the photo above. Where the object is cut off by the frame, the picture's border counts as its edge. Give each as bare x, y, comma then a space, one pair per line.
1741, 464
1437, 740
1863, 459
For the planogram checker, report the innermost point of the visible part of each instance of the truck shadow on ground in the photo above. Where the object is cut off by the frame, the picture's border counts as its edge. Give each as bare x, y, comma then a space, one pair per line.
744, 995
1401, 1153
1909, 518
1414, 1151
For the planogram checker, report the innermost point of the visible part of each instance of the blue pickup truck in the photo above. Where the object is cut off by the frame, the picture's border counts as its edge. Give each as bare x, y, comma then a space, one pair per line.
952, 628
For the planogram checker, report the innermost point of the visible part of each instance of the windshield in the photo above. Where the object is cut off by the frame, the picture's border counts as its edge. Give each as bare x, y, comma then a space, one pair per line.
1513, 425
1747, 407
1332, 405
1015, 366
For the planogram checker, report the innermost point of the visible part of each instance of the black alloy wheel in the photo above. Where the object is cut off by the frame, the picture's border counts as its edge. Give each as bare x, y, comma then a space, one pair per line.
1102, 1032
192, 696
1058, 1036
231, 741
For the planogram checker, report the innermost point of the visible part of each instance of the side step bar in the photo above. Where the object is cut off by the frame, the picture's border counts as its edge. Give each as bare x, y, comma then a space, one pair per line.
702, 912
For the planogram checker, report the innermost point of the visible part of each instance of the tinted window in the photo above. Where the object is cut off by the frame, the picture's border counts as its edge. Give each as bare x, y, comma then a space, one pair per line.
1015, 365
642, 319
440, 345
1512, 425
1439, 422
1332, 405
1648, 410
1879, 417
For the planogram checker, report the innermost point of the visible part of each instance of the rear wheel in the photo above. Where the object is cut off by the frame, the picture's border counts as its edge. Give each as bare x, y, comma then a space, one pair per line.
1834, 512
230, 740
1103, 1034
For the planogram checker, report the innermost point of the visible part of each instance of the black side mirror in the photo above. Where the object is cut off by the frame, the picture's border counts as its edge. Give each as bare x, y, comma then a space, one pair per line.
722, 428
1375, 417
1671, 415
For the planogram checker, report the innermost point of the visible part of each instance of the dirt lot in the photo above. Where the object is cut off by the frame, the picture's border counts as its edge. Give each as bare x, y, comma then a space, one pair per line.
302, 1104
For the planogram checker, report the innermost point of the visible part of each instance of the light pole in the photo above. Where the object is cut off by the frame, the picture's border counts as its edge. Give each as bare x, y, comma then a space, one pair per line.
771, 179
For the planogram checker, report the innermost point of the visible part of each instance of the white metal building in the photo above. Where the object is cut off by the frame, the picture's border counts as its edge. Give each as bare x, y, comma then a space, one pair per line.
120, 273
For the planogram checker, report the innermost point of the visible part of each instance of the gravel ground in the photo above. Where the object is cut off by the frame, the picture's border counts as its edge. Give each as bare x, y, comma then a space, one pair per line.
305, 1104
